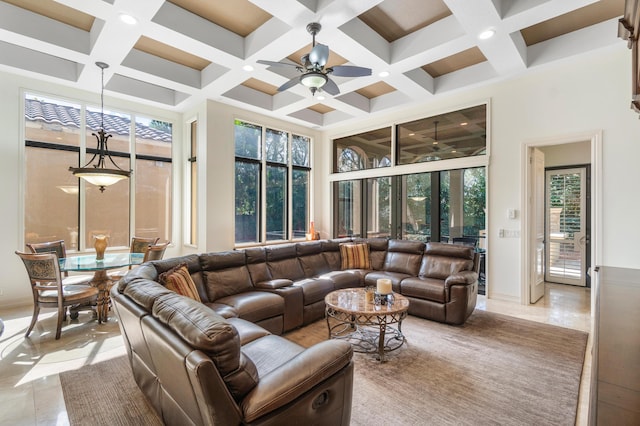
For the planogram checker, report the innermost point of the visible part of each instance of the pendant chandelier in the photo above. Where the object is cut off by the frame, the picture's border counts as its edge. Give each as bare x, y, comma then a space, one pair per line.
98, 174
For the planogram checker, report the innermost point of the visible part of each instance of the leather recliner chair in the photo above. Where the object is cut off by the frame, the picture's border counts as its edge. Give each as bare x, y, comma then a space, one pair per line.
196, 367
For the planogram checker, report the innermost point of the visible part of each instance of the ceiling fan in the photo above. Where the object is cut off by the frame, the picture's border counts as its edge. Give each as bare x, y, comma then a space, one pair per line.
314, 74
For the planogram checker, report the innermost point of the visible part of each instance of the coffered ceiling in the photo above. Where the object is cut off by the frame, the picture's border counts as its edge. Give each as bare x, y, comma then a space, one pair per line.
182, 52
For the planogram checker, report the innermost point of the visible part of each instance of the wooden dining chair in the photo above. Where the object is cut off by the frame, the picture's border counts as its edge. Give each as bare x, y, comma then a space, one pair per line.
59, 249
48, 290
155, 251
138, 245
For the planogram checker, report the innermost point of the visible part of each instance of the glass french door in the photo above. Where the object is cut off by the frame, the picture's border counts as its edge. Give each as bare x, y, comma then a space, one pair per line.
566, 223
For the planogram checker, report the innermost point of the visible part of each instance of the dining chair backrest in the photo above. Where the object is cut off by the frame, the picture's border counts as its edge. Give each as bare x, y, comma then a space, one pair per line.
56, 247
140, 244
156, 251
43, 270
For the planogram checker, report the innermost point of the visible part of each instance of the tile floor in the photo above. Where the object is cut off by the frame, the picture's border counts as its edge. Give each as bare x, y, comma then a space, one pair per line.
30, 391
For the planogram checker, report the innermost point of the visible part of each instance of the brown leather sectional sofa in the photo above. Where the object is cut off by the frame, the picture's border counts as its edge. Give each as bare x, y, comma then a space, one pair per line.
222, 360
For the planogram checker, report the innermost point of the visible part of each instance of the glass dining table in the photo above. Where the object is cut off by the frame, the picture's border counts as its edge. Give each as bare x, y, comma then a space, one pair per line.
100, 278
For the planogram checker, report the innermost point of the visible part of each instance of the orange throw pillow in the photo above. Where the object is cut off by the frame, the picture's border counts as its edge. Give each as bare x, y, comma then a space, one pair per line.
179, 280
355, 256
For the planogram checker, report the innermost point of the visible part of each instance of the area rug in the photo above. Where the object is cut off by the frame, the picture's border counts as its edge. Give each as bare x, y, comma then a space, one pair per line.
106, 394
493, 370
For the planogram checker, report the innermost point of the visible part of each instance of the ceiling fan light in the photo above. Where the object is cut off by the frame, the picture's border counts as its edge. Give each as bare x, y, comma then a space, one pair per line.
313, 79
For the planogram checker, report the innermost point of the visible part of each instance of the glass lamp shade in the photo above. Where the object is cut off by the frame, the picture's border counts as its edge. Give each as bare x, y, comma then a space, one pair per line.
314, 79
101, 177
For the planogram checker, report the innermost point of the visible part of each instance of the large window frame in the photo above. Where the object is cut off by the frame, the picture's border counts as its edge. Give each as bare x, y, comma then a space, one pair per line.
273, 167
81, 146
395, 172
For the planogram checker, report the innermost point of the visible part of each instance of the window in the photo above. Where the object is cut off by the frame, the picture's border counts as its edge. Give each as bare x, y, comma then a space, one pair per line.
434, 202
443, 206
348, 208
367, 150
55, 208
193, 187
272, 184
456, 134
378, 214
416, 219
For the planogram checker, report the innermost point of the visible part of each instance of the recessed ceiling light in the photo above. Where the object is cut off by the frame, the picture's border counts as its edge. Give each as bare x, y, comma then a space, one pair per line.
435, 142
321, 98
486, 34
412, 134
247, 68
128, 19
464, 123
454, 151
384, 74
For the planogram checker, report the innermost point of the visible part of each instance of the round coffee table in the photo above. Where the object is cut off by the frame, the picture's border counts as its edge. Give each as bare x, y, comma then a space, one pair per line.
366, 325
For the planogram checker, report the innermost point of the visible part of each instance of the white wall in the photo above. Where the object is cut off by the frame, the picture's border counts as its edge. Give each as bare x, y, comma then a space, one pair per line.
579, 95
14, 287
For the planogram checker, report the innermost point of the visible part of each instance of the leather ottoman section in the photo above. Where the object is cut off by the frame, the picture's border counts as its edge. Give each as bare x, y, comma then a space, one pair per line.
255, 306
343, 279
314, 289
424, 288
371, 279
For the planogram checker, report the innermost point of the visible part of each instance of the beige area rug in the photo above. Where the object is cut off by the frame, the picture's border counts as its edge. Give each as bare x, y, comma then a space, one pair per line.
106, 394
493, 370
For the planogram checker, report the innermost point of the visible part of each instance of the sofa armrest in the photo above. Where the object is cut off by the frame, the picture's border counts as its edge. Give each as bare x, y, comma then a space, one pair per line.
461, 278
273, 284
295, 377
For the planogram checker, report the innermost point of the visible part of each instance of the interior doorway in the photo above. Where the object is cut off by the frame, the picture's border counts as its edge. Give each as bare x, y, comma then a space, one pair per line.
566, 231
583, 150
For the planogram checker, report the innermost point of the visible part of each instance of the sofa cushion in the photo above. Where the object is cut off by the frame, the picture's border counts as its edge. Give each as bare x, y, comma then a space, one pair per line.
283, 262
257, 264
354, 256
442, 260
377, 251
207, 331
311, 258
424, 288
255, 306
225, 273
179, 280
404, 256
331, 252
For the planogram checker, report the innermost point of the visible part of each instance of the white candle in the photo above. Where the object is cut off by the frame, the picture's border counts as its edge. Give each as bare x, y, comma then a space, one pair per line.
383, 286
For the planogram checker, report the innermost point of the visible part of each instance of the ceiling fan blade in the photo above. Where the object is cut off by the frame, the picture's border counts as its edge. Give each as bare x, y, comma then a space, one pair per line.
331, 87
288, 84
350, 71
277, 64
319, 54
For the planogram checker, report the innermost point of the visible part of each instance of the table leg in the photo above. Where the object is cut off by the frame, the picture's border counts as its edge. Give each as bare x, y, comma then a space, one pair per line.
382, 321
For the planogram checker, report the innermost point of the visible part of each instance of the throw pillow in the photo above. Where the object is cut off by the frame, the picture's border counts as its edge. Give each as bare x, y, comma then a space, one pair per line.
355, 256
179, 280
